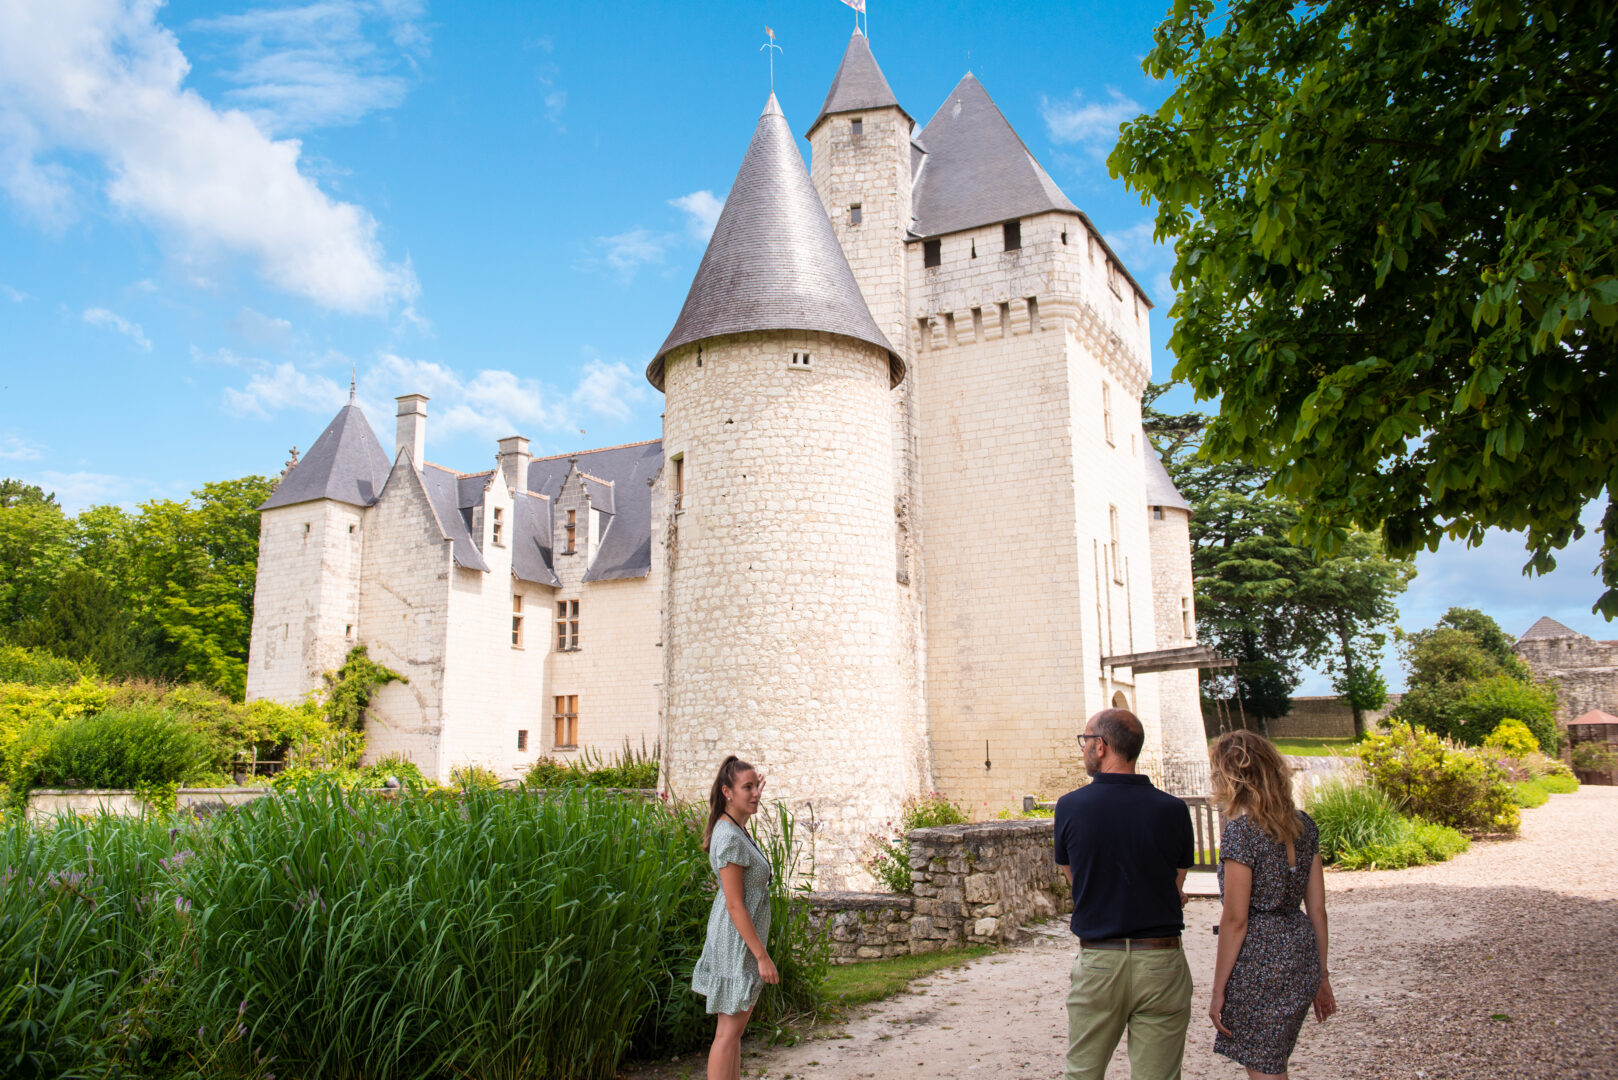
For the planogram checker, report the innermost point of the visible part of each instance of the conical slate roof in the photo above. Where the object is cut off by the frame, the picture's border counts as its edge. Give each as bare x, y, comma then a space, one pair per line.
1160, 489
1548, 627
859, 84
977, 170
347, 464
774, 262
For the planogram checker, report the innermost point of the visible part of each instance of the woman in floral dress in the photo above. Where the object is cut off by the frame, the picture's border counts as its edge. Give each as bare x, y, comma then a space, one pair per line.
1271, 965
734, 965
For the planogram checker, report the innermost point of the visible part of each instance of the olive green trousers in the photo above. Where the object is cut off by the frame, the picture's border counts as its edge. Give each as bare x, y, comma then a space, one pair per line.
1147, 993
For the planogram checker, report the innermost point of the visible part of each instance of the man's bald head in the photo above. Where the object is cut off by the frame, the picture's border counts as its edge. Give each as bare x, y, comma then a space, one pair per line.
1122, 731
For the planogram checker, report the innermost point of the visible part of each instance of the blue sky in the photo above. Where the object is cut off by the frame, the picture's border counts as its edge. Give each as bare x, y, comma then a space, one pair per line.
210, 214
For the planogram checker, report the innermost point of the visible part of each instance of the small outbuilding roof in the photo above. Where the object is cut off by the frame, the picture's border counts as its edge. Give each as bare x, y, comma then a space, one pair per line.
1598, 718
1160, 489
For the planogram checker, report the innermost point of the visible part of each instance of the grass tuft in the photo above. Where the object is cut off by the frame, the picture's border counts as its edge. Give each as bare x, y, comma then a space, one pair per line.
873, 980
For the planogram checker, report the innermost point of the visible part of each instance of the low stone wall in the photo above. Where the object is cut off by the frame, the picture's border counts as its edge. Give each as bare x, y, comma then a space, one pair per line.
49, 802
973, 885
1324, 717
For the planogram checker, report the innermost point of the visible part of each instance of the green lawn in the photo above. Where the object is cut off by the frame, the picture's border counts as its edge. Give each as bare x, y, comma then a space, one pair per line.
873, 980
1315, 747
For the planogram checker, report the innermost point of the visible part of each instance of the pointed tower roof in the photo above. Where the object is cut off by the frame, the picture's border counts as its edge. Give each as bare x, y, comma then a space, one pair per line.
859, 84
1548, 627
1160, 489
347, 464
774, 262
977, 170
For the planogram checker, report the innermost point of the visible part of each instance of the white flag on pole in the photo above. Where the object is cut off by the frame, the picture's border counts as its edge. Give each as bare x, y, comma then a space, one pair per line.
857, 5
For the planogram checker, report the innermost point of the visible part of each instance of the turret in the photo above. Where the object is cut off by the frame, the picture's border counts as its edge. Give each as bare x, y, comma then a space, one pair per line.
780, 632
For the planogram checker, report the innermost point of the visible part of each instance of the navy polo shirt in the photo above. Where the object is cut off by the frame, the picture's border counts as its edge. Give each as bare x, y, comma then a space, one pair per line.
1126, 842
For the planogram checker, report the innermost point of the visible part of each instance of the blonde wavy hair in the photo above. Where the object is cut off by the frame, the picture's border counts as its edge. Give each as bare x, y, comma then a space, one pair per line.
1250, 777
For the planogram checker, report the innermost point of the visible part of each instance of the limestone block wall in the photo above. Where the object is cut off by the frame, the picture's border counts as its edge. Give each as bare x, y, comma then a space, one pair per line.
404, 616
616, 670
779, 602
1179, 702
306, 600
872, 170
1585, 670
865, 926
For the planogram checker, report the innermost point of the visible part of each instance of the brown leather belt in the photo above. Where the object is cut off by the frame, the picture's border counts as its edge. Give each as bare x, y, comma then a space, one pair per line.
1124, 944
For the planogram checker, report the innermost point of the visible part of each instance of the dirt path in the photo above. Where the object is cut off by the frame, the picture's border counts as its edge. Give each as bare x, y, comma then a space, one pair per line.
1502, 963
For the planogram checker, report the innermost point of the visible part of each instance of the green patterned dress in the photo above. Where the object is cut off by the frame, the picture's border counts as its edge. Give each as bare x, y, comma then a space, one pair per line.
727, 974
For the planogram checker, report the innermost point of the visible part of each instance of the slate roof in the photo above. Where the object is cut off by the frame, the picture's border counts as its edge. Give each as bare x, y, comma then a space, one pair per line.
1549, 628
624, 549
773, 262
346, 464
859, 84
531, 532
977, 171
1160, 489
443, 490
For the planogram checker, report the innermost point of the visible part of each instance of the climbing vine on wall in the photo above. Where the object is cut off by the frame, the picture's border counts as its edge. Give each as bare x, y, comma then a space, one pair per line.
349, 689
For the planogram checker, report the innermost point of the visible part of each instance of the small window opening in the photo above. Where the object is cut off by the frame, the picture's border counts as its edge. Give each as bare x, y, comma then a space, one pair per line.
516, 621
1117, 564
949, 329
522, 739
566, 718
977, 324
857, 126
1033, 314
974, 249
348, 630
1112, 279
1187, 624
855, 214
1106, 412
679, 480
699, 356
351, 529
800, 360
1157, 513
571, 529
1005, 318
567, 625
924, 331
306, 528
1064, 237
932, 252
1013, 235
499, 526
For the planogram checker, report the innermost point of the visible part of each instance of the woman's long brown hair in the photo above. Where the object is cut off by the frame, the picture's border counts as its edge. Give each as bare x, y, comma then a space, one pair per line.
729, 770
1250, 777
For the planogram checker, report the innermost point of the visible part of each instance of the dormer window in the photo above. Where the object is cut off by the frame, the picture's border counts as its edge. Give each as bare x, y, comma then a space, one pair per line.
932, 253
855, 214
571, 531
857, 126
498, 528
1013, 235
800, 360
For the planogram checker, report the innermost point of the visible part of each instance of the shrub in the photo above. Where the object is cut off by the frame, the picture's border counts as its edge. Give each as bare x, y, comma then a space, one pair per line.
931, 811
468, 777
133, 747
1352, 817
1595, 757
1513, 737
37, 667
629, 769
1530, 793
1490, 701
888, 859
1559, 784
1439, 781
1441, 842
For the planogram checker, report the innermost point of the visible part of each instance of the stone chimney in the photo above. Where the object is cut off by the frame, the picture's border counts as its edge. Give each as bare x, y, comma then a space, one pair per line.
412, 429
514, 458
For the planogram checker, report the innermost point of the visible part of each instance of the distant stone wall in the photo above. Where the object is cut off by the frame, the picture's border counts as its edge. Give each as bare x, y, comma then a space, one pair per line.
1323, 717
49, 802
1585, 672
974, 885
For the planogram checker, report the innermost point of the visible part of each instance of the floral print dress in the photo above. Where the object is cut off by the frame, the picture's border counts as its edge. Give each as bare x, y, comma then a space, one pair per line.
1277, 973
727, 973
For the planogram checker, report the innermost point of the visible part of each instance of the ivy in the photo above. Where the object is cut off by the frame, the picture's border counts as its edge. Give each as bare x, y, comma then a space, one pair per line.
349, 689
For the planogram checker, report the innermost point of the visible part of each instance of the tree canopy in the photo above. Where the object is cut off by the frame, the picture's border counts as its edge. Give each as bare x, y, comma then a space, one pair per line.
1464, 680
1397, 239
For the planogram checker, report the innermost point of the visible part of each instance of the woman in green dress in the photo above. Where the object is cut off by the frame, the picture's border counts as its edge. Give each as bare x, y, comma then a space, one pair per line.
734, 965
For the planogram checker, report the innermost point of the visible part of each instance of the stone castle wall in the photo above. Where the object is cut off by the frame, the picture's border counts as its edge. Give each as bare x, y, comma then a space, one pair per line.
1585, 670
779, 630
1179, 702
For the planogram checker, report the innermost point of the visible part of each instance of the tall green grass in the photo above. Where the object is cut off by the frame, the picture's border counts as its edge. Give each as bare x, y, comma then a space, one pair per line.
1361, 828
493, 934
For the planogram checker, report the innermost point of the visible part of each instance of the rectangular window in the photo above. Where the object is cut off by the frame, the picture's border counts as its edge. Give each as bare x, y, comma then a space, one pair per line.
1187, 623
932, 252
1117, 562
566, 717
1157, 513
800, 360
516, 621
1106, 412
855, 214
522, 739
679, 481
1013, 235
857, 126
499, 527
1112, 279
571, 529
567, 625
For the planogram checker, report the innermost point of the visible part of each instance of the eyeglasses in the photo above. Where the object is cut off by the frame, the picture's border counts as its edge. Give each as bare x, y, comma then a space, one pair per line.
1103, 738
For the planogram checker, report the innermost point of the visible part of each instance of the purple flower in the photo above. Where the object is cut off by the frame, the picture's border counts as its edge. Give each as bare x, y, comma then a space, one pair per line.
182, 905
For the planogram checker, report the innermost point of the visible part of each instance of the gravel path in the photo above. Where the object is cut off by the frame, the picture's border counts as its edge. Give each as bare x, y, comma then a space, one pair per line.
1502, 963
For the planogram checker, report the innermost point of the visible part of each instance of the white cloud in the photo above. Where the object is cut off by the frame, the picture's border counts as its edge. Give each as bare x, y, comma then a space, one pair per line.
609, 389
77, 490
284, 386
16, 296
16, 448
1093, 125
628, 251
112, 321
547, 74
555, 105
702, 209
259, 329
317, 64
103, 78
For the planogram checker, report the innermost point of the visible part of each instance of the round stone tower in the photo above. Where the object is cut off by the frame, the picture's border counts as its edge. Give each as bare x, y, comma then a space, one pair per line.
1184, 742
780, 634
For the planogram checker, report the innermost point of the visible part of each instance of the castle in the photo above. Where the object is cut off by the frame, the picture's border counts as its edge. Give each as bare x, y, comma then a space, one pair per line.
903, 531
1585, 670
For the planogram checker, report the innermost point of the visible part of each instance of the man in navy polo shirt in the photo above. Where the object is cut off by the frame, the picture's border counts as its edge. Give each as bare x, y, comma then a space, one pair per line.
1125, 847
